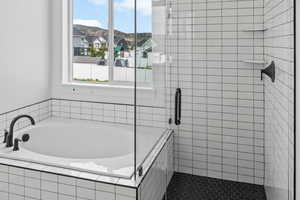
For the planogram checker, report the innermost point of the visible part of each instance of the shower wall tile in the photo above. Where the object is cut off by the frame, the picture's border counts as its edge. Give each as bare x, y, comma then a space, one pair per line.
279, 100
222, 130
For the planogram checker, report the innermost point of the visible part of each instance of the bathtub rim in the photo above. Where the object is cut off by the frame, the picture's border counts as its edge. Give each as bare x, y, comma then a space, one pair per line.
122, 182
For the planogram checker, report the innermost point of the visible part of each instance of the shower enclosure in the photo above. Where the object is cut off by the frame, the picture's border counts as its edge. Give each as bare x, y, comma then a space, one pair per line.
223, 80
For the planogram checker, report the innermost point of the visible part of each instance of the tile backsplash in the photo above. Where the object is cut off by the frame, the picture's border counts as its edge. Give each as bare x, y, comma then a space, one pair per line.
108, 112
39, 111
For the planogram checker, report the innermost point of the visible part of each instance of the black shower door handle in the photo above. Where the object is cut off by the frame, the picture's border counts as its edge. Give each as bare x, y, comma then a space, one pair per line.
178, 106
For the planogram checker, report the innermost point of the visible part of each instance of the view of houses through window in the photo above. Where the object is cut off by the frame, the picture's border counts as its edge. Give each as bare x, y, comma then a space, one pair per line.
94, 60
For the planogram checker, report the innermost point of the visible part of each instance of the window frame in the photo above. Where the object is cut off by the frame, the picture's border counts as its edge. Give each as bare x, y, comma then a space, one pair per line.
67, 75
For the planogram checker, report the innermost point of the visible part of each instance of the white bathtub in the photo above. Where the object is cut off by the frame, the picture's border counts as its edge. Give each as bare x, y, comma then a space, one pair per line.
100, 148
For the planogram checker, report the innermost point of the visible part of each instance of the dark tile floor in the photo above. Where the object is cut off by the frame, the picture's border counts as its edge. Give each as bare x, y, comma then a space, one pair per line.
189, 187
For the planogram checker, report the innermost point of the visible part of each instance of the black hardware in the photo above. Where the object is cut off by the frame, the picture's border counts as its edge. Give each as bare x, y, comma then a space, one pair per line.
16, 144
178, 106
140, 171
269, 71
10, 136
25, 138
5, 136
170, 120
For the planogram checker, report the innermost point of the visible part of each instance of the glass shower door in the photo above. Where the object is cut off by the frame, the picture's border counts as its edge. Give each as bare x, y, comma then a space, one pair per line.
150, 74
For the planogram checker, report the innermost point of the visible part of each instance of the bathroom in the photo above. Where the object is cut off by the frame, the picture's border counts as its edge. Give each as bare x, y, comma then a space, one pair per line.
148, 100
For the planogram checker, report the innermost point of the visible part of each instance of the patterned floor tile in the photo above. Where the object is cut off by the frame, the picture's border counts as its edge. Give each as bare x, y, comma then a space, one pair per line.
190, 187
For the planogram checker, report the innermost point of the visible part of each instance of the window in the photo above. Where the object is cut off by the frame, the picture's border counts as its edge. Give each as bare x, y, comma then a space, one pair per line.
103, 42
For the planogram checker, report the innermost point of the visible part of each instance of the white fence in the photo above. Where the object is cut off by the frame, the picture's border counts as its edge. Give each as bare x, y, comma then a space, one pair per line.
101, 73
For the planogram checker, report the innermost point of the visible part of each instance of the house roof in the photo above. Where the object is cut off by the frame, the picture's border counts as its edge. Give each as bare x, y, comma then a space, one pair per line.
119, 48
92, 39
146, 45
77, 32
80, 41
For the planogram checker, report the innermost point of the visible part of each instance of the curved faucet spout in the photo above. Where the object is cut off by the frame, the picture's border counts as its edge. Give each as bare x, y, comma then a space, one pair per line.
10, 136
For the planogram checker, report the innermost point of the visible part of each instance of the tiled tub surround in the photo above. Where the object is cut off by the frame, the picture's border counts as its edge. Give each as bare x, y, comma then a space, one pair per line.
39, 182
26, 184
108, 112
84, 110
222, 129
279, 100
87, 146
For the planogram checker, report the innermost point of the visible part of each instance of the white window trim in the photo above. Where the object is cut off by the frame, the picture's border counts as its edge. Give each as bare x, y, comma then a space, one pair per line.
67, 51
111, 38
63, 88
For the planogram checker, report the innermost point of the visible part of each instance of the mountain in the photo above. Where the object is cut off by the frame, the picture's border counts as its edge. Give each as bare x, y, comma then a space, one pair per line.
99, 32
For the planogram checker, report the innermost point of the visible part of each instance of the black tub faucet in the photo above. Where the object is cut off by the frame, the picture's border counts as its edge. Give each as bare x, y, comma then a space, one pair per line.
10, 135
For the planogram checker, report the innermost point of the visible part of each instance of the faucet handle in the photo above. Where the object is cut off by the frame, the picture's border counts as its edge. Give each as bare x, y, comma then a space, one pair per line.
5, 136
16, 144
25, 138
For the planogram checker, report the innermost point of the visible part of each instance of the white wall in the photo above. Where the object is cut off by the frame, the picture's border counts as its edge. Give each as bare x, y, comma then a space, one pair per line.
24, 50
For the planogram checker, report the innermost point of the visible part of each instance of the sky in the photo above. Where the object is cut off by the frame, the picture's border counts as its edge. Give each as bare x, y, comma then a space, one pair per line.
95, 13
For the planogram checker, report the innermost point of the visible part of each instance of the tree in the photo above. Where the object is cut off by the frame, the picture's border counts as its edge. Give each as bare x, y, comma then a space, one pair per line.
97, 53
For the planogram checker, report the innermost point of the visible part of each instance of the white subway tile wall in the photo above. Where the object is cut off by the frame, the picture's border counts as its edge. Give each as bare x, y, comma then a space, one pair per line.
96, 111
210, 45
154, 185
25, 184
107, 112
279, 99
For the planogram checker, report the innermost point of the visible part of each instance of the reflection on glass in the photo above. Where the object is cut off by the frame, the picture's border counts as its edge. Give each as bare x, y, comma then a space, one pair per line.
124, 42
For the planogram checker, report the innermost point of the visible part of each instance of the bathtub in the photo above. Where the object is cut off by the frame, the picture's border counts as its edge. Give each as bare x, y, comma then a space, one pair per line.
95, 147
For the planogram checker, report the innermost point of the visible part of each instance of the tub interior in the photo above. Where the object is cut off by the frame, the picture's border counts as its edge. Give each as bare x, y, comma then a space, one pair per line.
80, 141
88, 146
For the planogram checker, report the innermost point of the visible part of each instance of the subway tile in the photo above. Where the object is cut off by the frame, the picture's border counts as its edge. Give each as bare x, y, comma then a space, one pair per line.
33, 193
33, 182
85, 193
100, 195
67, 189
49, 186
49, 195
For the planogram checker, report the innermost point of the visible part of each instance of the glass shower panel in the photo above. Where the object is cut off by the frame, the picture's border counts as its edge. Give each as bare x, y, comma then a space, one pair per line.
150, 77
102, 41
124, 47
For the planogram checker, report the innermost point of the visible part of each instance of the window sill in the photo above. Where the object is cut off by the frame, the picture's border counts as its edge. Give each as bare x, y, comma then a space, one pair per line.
111, 85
